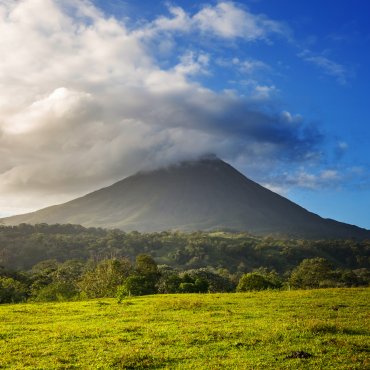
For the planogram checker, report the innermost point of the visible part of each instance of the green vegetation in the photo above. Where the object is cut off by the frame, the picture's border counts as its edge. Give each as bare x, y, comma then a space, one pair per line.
72, 280
197, 263
125, 326
259, 330
23, 246
259, 280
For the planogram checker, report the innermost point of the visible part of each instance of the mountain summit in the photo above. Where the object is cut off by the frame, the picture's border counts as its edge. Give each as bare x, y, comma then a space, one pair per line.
206, 194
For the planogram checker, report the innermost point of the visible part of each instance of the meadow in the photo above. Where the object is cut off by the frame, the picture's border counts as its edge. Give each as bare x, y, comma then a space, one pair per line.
307, 329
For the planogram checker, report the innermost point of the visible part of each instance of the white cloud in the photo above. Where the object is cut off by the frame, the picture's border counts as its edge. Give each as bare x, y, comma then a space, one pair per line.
291, 118
192, 63
83, 103
329, 175
328, 66
264, 92
276, 188
180, 21
61, 105
225, 20
250, 66
229, 21
310, 179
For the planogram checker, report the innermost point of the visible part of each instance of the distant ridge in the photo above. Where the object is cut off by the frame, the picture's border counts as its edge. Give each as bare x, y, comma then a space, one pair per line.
204, 194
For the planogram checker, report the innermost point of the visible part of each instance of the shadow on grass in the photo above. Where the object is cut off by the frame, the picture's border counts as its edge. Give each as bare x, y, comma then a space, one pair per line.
138, 360
327, 328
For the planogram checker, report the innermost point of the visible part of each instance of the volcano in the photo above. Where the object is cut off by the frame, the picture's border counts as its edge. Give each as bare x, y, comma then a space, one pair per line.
205, 194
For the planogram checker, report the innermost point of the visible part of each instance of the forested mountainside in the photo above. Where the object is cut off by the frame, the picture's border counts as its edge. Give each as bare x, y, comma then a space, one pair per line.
23, 246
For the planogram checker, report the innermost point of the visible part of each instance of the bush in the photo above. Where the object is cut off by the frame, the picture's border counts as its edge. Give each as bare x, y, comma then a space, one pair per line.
103, 280
169, 280
312, 273
254, 281
216, 282
55, 292
138, 285
198, 286
12, 291
122, 293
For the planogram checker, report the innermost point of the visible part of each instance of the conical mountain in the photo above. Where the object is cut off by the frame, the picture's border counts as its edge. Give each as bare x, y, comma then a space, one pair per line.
206, 194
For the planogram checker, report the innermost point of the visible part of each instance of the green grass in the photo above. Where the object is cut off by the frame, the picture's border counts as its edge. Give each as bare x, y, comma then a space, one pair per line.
210, 331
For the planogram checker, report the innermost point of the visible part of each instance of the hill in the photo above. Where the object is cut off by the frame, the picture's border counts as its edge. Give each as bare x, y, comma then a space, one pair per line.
207, 194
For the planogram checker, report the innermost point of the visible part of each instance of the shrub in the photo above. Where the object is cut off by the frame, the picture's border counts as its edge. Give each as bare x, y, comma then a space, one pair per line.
55, 292
138, 285
198, 286
216, 282
312, 273
122, 293
254, 281
12, 290
169, 282
103, 280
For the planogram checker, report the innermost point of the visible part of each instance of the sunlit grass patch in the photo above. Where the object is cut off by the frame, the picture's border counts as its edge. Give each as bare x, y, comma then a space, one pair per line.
262, 330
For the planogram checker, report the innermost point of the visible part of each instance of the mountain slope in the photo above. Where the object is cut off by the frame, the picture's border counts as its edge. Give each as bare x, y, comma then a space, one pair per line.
206, 194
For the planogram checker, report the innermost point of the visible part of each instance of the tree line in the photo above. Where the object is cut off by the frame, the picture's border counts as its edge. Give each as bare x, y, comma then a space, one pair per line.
119, 277
62, 262
23, 246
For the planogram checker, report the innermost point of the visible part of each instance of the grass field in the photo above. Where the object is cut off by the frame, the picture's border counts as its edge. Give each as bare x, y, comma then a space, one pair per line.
211, 331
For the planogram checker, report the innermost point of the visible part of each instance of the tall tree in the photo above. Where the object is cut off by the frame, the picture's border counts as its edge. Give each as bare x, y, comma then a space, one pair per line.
103, 280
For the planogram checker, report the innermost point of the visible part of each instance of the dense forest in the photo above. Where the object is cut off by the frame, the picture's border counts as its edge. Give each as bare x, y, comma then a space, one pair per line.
23, 246
60, 262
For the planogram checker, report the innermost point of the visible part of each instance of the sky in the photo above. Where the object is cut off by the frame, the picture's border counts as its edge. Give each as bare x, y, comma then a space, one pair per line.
94, 91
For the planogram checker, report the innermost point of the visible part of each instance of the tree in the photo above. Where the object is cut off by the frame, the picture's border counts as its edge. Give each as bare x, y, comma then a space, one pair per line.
145, 265
12, 291
53, 281
103, 280
137, 285
271, 275
56, 291
169, 280
42, 275
363, 276
311, 273
254, 281
199, 285
69, 272
216, 282
147, 273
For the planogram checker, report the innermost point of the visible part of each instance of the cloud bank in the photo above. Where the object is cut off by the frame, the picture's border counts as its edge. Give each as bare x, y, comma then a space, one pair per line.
85, 100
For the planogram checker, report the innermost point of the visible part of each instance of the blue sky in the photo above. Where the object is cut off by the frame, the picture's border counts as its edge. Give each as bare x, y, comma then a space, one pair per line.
277, 88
